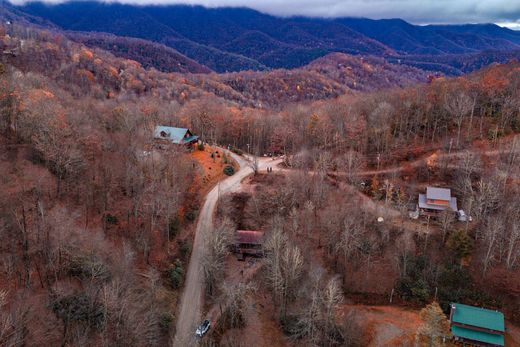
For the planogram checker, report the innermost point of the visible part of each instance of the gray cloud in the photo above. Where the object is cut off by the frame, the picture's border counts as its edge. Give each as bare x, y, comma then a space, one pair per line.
505, 12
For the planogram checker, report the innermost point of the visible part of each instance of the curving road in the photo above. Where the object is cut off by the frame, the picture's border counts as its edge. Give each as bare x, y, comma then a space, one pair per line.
189, 314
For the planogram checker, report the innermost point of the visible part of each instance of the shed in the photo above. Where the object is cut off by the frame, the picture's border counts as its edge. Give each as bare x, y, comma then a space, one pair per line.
477, 326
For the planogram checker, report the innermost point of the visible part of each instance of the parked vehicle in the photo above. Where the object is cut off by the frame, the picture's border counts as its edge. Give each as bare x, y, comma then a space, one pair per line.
463, 217
203, 328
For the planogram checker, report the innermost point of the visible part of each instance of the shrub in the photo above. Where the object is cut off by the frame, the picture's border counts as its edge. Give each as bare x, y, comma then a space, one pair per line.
111, 219
237, 151
78, 308
191, 215
460, 243
173, 227
291, 325
413, 285
228, 170
176, 274
184, 248
456, 285
413, 289
165, 321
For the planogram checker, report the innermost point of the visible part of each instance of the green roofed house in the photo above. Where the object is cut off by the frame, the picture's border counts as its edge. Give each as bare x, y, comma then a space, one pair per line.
178, 136
474, 326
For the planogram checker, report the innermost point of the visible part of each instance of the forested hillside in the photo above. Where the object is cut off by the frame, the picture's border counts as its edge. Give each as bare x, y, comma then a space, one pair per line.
96, 72
147, 53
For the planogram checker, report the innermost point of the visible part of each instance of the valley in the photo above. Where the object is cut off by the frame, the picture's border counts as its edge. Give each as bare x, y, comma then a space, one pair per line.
294, 181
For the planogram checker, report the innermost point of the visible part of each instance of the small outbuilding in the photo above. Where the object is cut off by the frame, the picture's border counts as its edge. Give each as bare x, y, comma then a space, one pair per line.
178, 136
475, 326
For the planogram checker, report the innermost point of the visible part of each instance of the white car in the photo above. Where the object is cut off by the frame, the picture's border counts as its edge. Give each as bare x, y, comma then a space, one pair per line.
463, 217
203, 328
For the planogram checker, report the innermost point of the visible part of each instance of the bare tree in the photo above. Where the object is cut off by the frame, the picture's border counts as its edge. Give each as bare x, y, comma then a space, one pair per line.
284, 268
380, 126
458, 104
485, 198
332, 298
311, 318
216, 248
492, 232
445, 220
350, 236
233, 304
351, 162
512, 231
317, 319
513, 244
14, 322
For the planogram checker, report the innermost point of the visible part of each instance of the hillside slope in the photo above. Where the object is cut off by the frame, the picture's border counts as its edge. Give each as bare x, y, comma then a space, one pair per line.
94, 71
148, 53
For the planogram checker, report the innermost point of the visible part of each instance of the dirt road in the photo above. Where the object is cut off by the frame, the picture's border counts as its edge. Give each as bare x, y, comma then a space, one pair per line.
189, 314
438, 158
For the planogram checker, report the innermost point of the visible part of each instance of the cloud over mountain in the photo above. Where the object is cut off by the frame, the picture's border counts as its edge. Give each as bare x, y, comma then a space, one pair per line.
506, 12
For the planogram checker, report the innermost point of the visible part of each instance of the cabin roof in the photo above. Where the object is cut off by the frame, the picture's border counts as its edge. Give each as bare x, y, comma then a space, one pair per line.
423, 203
475, 335
478, 317
438, 193
481, 318
173, 134
249, 236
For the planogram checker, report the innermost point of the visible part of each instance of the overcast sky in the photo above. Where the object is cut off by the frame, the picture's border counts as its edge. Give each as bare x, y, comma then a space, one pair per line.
502, 12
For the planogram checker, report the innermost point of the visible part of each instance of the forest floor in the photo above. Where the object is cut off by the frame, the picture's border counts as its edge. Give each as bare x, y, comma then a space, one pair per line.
512, 335
384, 325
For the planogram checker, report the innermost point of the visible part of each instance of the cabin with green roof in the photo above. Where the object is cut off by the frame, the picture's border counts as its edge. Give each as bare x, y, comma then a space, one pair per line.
178, 136
475, 326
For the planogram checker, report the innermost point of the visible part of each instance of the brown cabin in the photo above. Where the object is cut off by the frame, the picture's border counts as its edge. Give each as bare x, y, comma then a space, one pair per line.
436, 200
249, 242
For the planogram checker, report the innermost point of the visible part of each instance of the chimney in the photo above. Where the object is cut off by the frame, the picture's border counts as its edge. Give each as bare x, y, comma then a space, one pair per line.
453, 308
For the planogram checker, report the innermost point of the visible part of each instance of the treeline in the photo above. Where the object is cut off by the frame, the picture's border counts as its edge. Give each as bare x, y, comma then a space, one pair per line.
484, 105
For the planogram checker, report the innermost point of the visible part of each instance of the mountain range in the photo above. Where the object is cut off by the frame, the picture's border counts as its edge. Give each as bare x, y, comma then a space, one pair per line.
235, 39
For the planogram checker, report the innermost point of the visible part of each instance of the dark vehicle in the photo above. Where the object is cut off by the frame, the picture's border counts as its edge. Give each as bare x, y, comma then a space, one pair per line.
203, 328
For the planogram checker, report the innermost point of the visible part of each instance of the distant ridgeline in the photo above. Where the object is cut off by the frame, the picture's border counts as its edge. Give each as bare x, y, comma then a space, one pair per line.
234, 39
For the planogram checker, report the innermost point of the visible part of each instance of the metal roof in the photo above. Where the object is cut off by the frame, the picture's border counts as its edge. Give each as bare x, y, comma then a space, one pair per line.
438, 193
477, 317
479, 336
175, 135
423, 203
191, 139
249, 236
